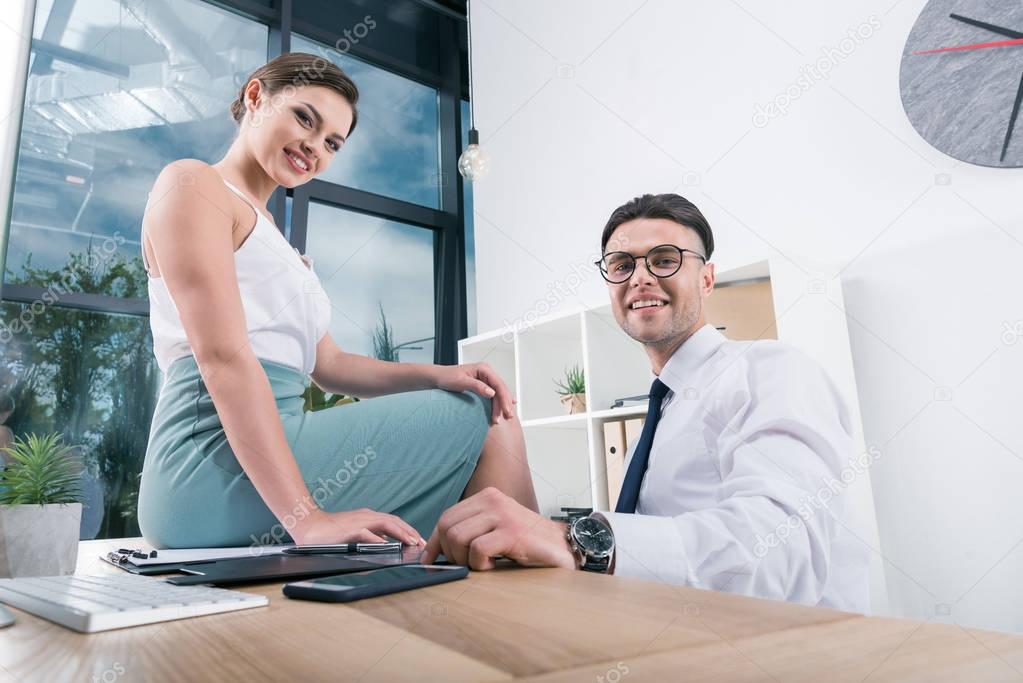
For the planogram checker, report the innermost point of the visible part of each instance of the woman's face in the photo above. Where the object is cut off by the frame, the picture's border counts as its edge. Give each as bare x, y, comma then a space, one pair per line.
296, 132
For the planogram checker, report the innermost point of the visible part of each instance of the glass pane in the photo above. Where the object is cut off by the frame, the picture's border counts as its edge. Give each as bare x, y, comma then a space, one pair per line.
375, 271
470, 234
406, 30
394, 150
288, 206
120, 91
90, 377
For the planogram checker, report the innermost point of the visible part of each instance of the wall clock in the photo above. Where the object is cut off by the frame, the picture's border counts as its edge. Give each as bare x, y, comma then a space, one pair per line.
962, 79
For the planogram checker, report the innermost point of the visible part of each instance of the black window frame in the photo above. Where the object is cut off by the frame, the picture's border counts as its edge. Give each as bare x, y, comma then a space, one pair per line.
446, 222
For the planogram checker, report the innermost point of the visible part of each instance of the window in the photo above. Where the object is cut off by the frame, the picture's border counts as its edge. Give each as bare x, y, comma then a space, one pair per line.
403, 34
92, 378
113, 96
394, 149
116, 90
379, 277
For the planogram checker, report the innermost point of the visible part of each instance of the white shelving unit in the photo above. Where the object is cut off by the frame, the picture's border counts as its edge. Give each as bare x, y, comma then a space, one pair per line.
772, 299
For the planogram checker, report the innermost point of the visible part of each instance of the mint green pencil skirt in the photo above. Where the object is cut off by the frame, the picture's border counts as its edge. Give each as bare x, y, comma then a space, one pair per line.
408, 454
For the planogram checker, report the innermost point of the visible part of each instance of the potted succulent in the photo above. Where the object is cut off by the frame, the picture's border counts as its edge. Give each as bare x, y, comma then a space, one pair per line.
40, 508
573, 390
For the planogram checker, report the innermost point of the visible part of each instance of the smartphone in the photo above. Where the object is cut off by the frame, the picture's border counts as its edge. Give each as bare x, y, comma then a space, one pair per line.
368, 584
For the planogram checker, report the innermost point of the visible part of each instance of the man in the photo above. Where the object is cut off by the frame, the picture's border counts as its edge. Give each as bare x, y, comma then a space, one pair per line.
732, 484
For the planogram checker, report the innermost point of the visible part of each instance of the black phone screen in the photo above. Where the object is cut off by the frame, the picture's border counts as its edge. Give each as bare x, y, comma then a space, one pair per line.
382, 577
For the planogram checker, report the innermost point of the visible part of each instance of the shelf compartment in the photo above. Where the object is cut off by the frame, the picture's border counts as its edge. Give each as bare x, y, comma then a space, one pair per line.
545, 352
745, 308
558, 457
616, 365
497, 349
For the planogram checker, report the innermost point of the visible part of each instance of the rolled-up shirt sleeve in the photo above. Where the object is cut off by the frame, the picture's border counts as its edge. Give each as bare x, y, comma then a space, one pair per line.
785, 437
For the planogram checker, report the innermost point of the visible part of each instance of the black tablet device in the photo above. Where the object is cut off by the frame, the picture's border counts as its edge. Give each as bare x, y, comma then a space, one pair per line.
358, 585
270, 568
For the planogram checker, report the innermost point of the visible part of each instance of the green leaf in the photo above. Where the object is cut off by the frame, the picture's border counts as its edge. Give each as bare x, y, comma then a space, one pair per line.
574, 382
43, 471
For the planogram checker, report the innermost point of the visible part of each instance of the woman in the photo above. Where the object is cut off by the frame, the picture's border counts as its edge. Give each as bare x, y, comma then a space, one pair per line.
240, 320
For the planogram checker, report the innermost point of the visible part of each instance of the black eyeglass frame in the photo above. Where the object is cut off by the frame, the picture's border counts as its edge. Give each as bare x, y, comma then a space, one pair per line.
682, 256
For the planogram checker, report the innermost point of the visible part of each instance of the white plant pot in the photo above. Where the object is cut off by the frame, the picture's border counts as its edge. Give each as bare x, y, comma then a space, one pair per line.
39, 540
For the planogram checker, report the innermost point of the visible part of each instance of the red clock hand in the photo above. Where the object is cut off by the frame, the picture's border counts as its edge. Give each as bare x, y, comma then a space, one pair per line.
975, 46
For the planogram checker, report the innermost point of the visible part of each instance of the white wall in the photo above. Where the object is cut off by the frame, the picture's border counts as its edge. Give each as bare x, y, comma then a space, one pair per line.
583, 105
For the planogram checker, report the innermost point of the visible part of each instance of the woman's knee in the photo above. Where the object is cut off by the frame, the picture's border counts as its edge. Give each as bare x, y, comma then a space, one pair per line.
466, 413
480, 411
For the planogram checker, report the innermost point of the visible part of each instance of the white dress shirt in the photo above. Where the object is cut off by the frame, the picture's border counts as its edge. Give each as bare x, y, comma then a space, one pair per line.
743, 490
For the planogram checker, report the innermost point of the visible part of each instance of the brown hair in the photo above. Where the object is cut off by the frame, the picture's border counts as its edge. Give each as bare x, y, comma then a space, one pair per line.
297, 69
671, 206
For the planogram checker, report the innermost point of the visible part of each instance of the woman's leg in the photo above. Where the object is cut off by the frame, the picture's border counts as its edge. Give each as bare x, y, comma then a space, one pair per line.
503, 464
412, 454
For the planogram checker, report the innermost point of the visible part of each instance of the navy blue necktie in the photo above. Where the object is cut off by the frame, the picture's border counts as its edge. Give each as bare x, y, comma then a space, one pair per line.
629, 496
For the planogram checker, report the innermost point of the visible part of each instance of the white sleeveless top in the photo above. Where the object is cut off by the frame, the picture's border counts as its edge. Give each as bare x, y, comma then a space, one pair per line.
286, 309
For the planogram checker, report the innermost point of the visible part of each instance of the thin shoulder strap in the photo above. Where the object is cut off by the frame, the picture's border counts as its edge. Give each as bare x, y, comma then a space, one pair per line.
145, 261
241, 194
259, 214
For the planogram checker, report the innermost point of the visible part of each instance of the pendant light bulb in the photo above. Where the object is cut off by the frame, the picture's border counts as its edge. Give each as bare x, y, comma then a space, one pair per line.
474, 163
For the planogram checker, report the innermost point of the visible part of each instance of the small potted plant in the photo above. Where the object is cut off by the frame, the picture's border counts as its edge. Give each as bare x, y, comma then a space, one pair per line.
573, 390
40, 508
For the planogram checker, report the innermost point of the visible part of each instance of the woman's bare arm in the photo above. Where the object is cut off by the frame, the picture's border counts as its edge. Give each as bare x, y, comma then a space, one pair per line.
340, 372
353, 375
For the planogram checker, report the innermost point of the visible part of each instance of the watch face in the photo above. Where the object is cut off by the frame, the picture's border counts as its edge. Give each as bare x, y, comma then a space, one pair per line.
962, 79
593, 536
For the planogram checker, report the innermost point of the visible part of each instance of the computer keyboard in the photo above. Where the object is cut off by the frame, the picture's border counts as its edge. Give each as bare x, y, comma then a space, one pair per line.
100, 603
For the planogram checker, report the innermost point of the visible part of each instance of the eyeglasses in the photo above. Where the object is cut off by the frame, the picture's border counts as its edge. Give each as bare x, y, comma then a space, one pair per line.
661, 262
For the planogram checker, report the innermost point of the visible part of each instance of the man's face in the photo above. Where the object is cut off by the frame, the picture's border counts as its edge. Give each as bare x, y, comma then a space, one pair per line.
679, 310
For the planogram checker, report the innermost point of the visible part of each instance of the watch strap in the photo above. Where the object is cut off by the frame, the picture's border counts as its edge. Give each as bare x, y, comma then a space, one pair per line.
595, 564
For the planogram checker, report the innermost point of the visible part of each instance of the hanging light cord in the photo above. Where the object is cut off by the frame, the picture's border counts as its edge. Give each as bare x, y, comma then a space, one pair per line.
468, 33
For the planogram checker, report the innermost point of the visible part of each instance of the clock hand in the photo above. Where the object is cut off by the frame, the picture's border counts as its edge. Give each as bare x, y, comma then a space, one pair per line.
989, 27
1012, 118
975, 46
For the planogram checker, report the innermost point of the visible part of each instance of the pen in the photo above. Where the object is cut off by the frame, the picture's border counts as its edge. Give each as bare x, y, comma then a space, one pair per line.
326, 548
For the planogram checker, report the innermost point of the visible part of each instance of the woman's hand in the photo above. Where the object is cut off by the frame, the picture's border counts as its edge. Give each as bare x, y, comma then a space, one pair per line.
481, 379
362, 526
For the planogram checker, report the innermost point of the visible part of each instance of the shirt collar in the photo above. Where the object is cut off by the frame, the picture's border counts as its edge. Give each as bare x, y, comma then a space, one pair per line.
680, 369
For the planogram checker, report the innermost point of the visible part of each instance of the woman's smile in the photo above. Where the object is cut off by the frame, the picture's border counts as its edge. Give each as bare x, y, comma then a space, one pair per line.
299, 163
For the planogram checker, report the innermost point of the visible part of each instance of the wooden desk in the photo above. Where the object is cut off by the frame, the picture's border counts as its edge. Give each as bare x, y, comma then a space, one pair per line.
512, 623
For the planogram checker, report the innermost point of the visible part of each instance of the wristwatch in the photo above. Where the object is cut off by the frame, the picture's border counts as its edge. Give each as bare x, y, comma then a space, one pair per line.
592, 542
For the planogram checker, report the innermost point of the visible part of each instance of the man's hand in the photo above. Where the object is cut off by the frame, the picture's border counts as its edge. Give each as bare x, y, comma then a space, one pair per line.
476, 530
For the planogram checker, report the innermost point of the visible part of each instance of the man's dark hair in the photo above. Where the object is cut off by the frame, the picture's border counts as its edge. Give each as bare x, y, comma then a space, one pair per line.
671, 206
